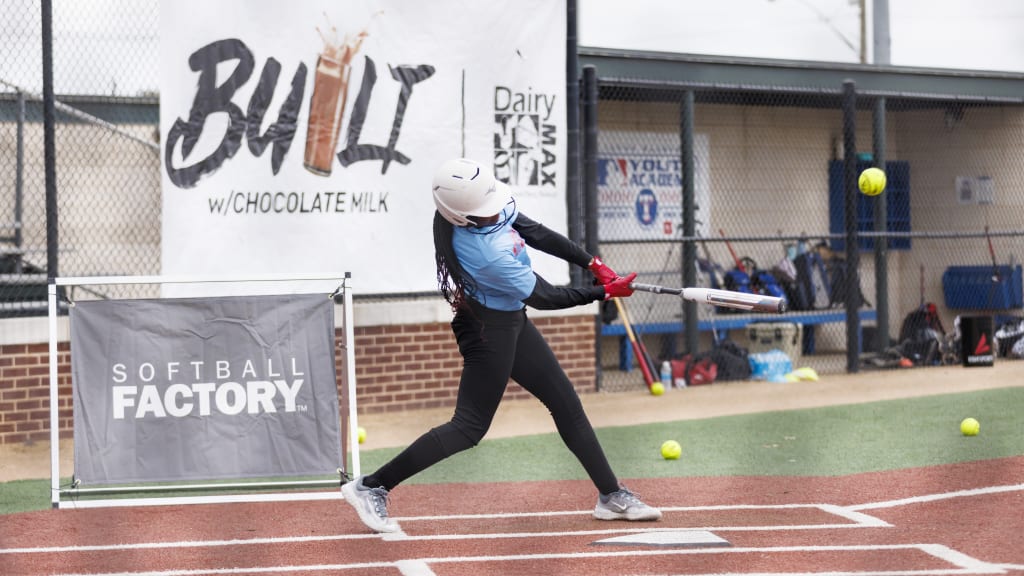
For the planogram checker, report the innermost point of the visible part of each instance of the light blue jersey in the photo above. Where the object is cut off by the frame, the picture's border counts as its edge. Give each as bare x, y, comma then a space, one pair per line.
495, 256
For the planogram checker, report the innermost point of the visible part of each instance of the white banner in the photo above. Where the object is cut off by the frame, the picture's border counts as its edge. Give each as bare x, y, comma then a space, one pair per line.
304, 135
640, 186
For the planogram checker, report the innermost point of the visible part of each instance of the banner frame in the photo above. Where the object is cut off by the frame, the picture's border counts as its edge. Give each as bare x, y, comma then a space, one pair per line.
56, 491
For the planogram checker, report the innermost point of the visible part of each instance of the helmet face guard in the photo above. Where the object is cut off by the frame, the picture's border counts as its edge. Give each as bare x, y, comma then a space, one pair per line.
464, 188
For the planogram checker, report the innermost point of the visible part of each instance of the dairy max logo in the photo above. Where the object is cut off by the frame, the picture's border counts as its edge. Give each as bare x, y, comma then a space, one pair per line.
181, 389
525, 137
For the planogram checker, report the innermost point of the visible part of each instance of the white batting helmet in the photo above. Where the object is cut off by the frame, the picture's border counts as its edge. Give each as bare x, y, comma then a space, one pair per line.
464, 188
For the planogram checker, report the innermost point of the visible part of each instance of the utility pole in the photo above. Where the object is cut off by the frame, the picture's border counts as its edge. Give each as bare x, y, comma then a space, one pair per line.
881, 30
863, 32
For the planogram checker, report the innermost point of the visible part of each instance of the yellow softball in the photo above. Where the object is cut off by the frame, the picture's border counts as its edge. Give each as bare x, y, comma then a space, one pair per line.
671, 450
970, 427
872, 181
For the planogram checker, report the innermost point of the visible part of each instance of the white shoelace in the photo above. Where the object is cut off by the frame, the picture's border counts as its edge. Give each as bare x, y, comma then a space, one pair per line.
380, 501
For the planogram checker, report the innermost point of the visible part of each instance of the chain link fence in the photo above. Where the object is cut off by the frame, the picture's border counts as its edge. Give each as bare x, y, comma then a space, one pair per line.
767, 187
769, 205
106, 131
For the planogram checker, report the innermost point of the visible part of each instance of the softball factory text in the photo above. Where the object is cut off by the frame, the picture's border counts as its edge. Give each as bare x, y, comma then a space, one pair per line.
159, 392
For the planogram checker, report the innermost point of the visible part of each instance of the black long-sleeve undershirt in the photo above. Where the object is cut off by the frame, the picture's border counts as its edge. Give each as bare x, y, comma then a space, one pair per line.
546, 296
547, 240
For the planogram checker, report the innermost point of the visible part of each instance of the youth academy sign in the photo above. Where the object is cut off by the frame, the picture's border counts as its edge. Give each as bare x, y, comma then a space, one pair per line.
304, 136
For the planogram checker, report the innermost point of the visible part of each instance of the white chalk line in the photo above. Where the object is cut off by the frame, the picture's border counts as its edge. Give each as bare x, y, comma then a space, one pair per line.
857, 520
856, 517
940, 496
510, 535
717, 507
964, 565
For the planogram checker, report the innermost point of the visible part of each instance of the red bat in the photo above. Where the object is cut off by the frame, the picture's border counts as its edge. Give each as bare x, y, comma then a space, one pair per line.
735, 258
640, 341
637, 351
992, 253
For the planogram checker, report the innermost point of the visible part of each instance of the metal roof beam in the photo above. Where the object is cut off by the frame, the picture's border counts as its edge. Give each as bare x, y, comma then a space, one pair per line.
726, 73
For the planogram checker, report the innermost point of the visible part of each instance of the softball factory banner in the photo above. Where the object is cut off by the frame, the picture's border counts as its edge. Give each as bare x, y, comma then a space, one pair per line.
304, 135
640, 186
204, 388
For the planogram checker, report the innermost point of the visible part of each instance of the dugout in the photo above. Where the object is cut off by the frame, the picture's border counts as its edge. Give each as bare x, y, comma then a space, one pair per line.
767, 141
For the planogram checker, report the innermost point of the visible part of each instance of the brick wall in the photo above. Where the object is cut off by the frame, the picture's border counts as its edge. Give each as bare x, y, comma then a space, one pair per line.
398, 367
25, 392
416, 366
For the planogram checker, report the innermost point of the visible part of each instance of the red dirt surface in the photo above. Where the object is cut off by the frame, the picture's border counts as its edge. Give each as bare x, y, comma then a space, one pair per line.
458, 529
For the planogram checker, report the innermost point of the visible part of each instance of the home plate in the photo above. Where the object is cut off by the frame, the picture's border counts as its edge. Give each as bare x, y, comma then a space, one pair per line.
677, 538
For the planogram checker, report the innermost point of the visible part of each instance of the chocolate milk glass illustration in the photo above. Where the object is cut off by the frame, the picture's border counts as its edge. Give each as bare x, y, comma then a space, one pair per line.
330, 91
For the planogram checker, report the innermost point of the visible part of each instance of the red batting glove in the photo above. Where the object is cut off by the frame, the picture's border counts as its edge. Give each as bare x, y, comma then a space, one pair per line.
620, 287
601, 272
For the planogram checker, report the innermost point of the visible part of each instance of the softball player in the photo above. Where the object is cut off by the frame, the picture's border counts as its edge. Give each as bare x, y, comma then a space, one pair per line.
484, 272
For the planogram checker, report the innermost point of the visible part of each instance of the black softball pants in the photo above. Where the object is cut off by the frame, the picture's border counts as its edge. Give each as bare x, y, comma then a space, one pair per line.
496, 345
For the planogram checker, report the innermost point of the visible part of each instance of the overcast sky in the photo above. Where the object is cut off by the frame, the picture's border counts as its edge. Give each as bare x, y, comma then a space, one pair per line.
959, 34
955, 34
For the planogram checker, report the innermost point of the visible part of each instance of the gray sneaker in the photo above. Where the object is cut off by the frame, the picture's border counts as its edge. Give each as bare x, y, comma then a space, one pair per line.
624, 505
371, 504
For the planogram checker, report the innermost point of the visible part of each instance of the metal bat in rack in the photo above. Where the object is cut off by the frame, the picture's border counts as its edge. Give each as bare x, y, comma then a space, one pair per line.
724, 298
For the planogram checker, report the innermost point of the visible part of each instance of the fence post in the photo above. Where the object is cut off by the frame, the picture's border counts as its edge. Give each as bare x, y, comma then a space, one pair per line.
49, 143
850, 218
881, 242
19, 184
590, 226
589, 153
689, 225
572, 178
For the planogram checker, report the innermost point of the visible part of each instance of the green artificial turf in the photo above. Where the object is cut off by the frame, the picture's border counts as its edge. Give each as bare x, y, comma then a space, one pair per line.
828, 441
24, 496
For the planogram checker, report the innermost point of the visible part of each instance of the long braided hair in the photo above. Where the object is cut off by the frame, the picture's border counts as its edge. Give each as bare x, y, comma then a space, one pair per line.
455, 284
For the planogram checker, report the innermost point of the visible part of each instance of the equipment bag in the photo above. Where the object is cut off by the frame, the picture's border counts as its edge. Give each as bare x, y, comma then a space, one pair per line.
695, 371
1010, 338
726, 361
737, 281
812, 283
921, 335
841, 285
731, 359
765, 283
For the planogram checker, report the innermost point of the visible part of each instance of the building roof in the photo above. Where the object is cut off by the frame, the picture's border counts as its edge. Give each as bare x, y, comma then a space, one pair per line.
661, 70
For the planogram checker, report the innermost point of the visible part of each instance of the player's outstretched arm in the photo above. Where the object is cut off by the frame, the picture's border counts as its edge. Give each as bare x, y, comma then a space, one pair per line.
547, 240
